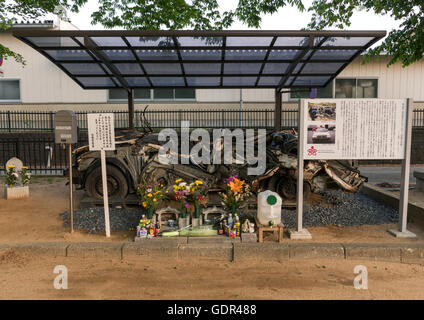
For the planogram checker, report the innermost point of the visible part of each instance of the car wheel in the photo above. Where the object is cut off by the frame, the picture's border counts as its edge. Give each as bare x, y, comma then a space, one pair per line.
117, 185
286, 187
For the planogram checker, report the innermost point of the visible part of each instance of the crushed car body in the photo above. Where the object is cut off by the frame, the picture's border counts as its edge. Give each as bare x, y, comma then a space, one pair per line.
137, 156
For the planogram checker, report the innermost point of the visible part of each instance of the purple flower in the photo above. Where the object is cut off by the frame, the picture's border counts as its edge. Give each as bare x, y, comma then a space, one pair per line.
231, 178
186, 205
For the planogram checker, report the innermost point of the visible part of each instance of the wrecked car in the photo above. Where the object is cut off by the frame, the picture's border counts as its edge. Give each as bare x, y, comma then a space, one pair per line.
136, 156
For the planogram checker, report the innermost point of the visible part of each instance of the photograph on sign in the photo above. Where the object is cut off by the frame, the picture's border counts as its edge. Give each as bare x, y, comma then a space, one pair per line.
354, 128
101, 131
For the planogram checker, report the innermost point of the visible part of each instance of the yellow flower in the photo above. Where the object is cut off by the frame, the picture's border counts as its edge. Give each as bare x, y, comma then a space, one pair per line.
24, 167
150, 195
198, 182
178, 180
11, 166
154, 200
144, 204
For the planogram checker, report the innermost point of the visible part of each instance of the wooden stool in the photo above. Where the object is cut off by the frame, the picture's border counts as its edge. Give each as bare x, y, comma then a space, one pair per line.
277, 230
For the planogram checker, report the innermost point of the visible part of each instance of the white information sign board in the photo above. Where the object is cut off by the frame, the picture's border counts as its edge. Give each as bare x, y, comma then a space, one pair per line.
354, 129
346, 129
101, 137
101, 131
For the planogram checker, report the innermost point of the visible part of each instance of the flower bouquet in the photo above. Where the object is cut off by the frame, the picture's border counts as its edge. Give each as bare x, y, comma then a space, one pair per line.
151, 194
11, 176
17, 182
236, 192
197, 195
181, 194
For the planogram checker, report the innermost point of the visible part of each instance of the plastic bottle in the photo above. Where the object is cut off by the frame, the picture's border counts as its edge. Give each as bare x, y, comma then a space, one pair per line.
269, 208
230, 220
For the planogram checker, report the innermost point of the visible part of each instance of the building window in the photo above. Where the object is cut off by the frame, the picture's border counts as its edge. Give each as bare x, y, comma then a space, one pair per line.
325, 92
122, 94
155, 94
9, 90
163, 94
356, 88
174, 94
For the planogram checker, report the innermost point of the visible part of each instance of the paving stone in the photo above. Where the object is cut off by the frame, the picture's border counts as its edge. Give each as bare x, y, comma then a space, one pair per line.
216, 239
316, 250
93, 249
376, 252
413, 254
249, 237
42, 248
219, 251
162, 240
261, 251
164, 249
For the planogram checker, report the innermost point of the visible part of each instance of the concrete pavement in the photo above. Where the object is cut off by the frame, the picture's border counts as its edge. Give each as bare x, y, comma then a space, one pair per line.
390, 174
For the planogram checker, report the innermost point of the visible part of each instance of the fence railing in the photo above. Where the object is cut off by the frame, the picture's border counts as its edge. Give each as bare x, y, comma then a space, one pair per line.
262, 118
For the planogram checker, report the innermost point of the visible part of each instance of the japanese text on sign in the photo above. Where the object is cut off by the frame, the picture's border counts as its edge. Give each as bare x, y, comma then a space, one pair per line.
354, 128
101, 131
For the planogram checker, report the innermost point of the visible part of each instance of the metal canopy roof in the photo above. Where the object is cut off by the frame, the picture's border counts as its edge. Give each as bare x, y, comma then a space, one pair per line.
200, 59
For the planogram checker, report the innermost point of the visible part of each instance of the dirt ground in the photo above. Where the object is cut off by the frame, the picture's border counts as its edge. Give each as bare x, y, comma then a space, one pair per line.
28, 277
37, 219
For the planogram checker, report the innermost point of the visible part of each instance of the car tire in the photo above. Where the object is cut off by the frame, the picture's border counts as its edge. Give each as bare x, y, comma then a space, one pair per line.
117, 183
286, 187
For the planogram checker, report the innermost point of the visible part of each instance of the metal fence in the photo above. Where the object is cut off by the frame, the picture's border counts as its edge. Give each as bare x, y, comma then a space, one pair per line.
262, 118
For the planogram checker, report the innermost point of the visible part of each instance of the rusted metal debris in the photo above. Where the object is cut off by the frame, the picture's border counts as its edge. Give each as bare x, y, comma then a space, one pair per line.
136, 155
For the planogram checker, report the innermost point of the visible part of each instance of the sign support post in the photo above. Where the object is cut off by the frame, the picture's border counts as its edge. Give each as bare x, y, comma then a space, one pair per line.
105, 192
71, 189
300, 233
66, 132
404, 183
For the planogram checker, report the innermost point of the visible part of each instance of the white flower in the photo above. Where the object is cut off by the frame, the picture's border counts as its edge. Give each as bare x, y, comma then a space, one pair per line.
16, 175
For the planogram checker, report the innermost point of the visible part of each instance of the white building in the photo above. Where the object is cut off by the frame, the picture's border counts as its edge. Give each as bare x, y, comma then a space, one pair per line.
41, 86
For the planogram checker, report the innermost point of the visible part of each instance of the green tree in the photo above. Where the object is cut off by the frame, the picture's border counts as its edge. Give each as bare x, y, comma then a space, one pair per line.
12, 11
405, 44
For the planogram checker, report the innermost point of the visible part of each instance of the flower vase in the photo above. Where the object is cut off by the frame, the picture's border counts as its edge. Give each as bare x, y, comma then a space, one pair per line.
233, 209
150, 212
197, 220
183, 219
16, 192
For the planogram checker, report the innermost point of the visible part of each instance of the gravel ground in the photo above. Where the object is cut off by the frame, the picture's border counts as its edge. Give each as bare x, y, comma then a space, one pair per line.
93, 219
347, 210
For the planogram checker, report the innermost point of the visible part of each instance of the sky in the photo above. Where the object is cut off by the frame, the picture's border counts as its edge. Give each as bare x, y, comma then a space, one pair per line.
287, 18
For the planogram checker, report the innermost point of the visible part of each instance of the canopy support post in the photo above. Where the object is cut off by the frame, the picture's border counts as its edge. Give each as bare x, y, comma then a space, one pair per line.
131, 109
278, 111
